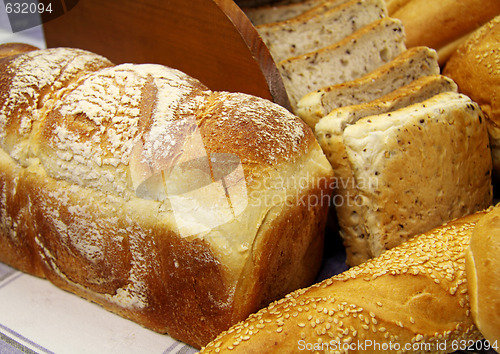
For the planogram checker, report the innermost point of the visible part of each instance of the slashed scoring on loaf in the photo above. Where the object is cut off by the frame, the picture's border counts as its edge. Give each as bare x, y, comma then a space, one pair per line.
33, 76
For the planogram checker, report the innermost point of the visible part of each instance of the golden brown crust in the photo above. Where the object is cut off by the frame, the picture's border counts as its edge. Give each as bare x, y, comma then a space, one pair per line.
437, 23
91, 190
413, 296
10, 49
474, 67
28, 82
483, 275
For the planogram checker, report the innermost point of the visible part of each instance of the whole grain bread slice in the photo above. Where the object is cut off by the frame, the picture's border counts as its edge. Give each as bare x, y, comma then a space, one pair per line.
414, 169
329, 132
416, 91
284, 11
319, 27
409, 65
354, 56
275, 13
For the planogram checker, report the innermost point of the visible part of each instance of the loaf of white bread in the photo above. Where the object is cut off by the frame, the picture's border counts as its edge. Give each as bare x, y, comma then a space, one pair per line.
136, 187
413, 298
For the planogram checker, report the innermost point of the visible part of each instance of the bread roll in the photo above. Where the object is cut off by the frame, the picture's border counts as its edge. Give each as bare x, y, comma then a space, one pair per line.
136, 187
437, 23
412, 298
483, 275
474, 67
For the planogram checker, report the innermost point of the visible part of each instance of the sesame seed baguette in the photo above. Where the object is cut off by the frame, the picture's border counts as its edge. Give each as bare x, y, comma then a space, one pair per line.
406, 67
482, 264
314, 30
354, 56
413, 298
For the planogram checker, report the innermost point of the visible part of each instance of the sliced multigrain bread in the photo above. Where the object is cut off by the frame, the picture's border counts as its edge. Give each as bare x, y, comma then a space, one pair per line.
314, 29
409, 65
416, 91
263, 14
329, 132
354, 56
410, 170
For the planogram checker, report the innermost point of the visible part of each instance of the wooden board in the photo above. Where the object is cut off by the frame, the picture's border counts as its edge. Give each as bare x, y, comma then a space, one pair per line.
211, 40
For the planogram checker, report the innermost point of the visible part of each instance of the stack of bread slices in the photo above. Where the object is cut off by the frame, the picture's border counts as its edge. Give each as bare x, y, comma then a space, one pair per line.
409, 152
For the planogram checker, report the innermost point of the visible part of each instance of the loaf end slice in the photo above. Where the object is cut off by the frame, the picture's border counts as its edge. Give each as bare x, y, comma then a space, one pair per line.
329, 132
419, 167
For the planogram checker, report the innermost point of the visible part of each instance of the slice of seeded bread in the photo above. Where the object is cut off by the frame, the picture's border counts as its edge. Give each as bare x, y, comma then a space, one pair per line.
409, 65
281, 12
316, 29
329, 132
416, 91
352, 57
414, 169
